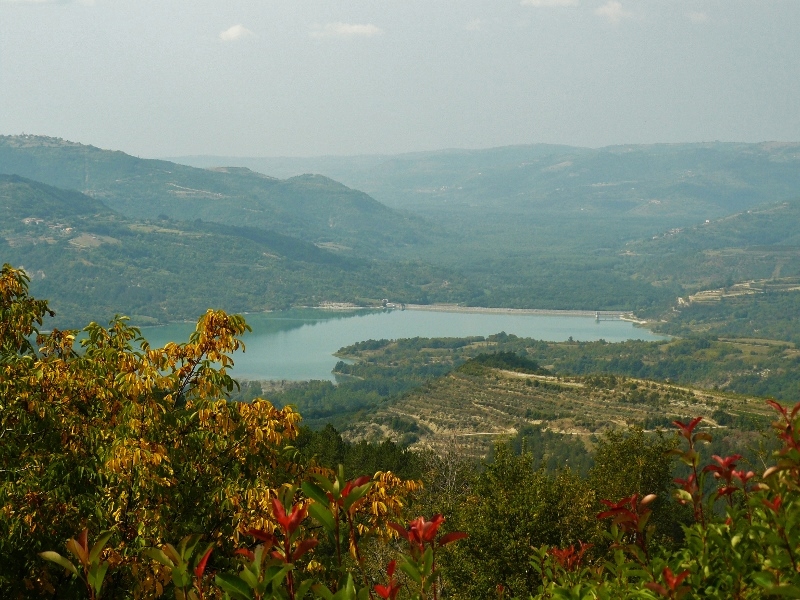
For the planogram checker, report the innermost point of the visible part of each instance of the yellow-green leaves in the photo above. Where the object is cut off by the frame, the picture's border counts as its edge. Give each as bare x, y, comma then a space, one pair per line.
56, 558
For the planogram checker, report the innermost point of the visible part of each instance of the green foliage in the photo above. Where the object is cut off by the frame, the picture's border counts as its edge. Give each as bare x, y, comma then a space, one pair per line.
552, 451
628, 463
179, 562
93, 568
506, 360
142, 443
130, 439
741, 543
511, 508
327, 448
123, 437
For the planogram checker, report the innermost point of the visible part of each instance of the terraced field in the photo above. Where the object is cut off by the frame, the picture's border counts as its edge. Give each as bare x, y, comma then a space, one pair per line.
479, 405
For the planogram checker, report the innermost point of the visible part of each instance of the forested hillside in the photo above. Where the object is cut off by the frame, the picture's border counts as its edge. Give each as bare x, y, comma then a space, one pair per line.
739, 275
550, 226
759, 243
96, 263
542, 195
687, 179
310, 207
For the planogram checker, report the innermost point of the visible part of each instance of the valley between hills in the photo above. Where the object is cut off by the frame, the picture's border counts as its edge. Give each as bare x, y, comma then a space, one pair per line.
698, 243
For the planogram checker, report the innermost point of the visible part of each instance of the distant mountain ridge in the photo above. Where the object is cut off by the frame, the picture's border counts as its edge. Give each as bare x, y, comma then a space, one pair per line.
699, 179
311, 207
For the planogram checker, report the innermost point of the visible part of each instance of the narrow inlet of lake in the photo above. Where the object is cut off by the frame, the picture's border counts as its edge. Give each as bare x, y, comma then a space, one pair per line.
299, 344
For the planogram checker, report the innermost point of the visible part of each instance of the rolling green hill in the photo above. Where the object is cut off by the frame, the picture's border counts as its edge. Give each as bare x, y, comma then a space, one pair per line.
91, 263
310, 207
640, 189
762, 242
739, 275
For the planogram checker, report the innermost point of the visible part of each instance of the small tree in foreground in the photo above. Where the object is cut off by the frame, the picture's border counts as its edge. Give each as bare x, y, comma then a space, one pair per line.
100, 431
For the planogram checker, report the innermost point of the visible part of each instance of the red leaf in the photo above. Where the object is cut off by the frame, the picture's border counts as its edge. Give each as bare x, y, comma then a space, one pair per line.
658, 588
262, 536
673, 581
279, 512
278, 555
354, 483
774, 505
795, 410
303, 547
425, 531
629, 501
687, 428
289, 523
400, 530
388, 592
297, 516
201, 566
247, 553
777, 407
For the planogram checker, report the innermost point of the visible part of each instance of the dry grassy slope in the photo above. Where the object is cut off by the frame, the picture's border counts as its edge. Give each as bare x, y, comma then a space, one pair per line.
485, 404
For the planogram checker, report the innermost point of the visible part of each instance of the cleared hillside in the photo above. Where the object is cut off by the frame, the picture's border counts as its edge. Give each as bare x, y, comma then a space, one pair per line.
479, 405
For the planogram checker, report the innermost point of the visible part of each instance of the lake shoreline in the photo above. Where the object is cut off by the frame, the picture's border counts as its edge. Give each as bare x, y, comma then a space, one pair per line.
456, 308
622, 315
302, 345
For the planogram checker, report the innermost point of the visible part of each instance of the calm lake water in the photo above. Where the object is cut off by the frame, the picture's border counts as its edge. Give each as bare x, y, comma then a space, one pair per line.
299, 344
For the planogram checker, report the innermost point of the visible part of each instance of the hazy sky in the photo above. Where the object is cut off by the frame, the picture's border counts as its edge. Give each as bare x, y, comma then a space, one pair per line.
311, 77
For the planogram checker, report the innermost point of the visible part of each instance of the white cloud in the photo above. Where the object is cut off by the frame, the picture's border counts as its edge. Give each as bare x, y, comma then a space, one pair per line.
234, 33
474, 25
613, 12
697, 17
548, 3
344, 30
